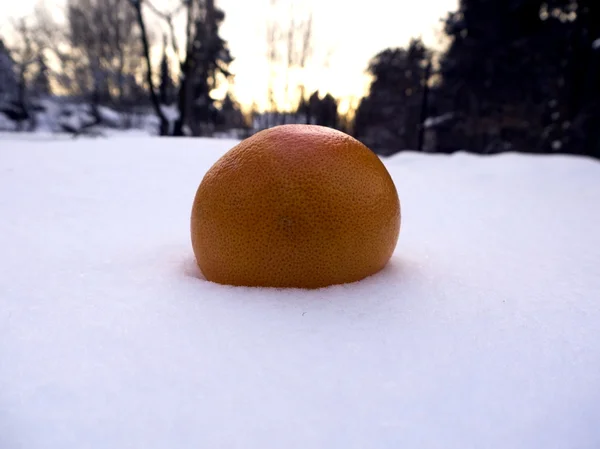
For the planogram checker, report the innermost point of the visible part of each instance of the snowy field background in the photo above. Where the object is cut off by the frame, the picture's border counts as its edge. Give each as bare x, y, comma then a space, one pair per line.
483, 331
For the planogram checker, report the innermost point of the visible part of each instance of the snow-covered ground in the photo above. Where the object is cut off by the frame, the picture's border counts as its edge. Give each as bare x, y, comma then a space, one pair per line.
483, 331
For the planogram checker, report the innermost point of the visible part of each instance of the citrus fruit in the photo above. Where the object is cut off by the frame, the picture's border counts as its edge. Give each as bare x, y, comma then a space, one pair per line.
295, 206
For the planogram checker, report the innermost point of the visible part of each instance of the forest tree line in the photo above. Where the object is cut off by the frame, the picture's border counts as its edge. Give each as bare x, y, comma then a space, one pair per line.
514, 75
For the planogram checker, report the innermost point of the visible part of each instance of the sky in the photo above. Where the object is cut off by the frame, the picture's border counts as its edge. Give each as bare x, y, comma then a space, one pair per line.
345, 36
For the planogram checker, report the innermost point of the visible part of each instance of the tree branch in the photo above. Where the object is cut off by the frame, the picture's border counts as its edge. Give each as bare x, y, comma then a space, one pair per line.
164, 123
168, 17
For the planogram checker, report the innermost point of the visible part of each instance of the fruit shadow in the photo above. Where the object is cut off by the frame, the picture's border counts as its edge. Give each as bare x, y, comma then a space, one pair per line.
191, 269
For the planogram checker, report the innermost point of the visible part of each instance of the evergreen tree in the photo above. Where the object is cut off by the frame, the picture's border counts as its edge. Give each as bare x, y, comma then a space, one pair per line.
314, 104
579, 89
522, 75
230, 114
211, 58
328, 115
303, 111
205, 58
319, 111
489, 73
388, 118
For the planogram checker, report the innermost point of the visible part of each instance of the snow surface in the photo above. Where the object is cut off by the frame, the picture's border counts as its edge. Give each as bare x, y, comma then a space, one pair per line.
430, 122
110, 116
482, 332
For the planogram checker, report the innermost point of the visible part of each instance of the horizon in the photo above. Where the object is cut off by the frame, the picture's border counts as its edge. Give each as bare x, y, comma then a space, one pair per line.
340, 54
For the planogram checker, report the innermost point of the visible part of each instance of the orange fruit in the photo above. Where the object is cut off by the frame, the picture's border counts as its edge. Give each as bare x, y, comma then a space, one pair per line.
295, 206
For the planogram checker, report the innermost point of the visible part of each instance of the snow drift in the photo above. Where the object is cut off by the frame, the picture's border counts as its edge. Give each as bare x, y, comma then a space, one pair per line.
483, 331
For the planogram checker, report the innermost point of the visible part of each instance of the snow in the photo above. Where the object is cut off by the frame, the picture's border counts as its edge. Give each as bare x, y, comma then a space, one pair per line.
109, 116
431, 122
483, 331
596, 44
55, 113
6, 124
170, 112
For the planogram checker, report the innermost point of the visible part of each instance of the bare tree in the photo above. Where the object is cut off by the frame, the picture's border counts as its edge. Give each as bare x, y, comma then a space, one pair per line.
306, 49
8, 80
291, 53
24, 53
104, 36
273, 34
96, 55
168, 18
55, 38
305, 53
289, 46
164, 123
185, 61
205, 56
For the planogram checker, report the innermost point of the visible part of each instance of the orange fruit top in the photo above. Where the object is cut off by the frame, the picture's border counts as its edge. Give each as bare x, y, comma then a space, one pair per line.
295, 206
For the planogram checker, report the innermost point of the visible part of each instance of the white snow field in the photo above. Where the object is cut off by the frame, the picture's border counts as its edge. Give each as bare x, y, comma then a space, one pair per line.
482, 332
